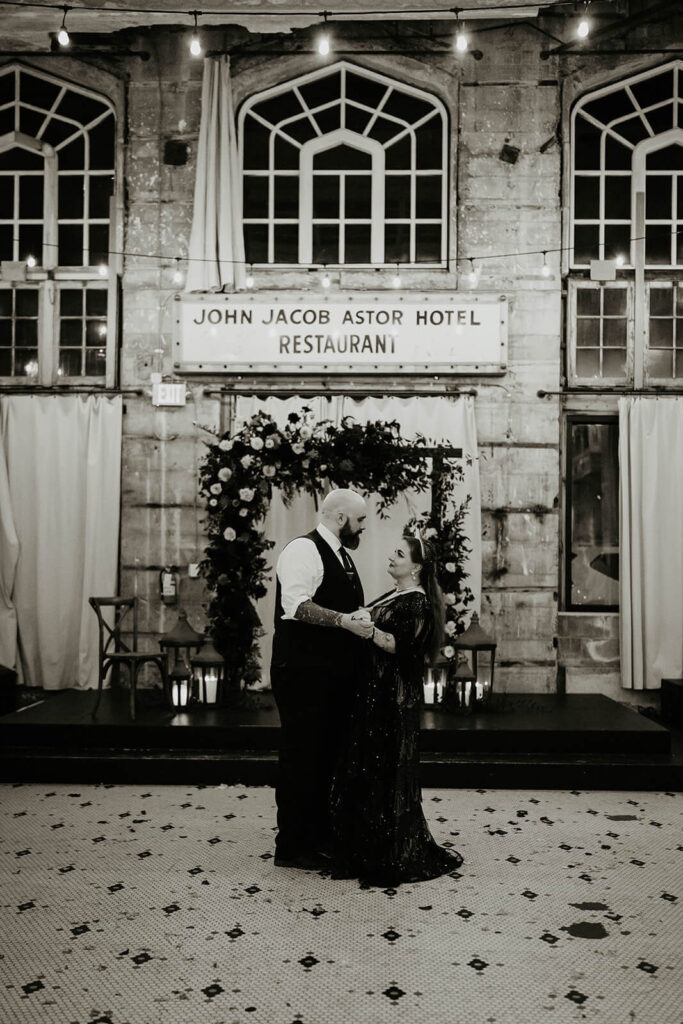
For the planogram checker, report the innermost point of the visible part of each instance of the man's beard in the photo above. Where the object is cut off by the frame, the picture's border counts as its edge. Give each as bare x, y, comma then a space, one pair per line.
348, 538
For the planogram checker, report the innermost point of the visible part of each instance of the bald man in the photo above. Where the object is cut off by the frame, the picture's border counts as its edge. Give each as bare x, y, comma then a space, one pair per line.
318, 647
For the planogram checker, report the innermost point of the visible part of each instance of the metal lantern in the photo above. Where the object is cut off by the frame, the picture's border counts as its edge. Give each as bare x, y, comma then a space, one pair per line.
182, 639
479, 650
208, 671
436, 679
179, 680
460, 685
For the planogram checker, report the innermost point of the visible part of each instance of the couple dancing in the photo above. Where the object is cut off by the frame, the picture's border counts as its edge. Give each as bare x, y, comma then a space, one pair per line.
348, 685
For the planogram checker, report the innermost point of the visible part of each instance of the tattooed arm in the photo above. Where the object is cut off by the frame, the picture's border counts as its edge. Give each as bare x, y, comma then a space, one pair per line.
316, 615
385, 641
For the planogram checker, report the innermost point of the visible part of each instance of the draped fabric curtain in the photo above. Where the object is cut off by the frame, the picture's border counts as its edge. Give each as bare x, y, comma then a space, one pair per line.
9, 553
216, 250
651, 540
440, 420
63, 462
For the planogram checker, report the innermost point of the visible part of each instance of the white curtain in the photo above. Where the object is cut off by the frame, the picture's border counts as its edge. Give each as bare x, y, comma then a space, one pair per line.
9, 553
216, 250
63, 458
440, 420
651, 540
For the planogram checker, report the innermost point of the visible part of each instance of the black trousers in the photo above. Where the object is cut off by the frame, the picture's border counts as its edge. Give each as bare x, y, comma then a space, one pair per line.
312, 727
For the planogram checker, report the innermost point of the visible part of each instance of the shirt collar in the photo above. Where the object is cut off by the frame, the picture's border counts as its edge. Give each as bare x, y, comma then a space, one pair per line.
328, 536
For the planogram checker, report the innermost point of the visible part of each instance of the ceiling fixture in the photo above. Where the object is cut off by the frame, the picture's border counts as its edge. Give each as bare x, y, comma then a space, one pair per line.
460, 37
63, 35
195, 45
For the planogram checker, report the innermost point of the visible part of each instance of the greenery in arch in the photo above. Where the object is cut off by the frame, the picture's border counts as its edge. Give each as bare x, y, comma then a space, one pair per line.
237, 477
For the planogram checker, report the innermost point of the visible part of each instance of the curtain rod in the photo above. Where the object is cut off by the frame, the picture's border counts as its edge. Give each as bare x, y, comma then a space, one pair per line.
321, 393
572, 392
54, 392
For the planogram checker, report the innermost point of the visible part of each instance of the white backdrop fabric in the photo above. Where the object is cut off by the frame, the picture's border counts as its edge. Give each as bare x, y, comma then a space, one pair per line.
9, 553
440, 420
651, 540
216, 249
63, 460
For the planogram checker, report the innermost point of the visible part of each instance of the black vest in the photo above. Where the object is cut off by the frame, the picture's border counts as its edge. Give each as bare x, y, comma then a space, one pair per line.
327, 649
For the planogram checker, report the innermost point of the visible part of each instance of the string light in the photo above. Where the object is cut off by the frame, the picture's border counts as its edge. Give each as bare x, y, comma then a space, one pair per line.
473, 275
396, 281
584, 25
30, 261
195, 45
249, 281
103, 270
460, 37
325, 279
545, 269
63, 35
324, 39
177, 273
620, 260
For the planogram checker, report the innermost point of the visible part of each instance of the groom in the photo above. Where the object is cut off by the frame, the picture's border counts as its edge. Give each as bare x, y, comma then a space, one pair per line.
317, 647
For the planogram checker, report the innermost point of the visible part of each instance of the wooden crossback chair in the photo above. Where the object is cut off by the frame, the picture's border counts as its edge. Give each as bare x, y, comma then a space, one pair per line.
114, 651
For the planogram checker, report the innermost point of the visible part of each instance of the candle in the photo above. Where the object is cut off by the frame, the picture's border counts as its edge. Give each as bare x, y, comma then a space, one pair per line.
180, 694
429, 688
468, 690
479, 690
211, 687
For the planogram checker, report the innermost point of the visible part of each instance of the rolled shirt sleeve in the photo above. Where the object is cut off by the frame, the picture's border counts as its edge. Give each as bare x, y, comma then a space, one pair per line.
300, 572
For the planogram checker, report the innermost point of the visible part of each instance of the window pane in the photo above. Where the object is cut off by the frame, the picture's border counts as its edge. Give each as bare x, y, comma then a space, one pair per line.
614, 363
657, 243
397, 243
256, 138
427, 243
6, 242
614, 301
322, 90
668, 159
5, 302
658, 197
357, 243
654, 89
71, 196
587, 333
5, 333
256, 243
70, 332
397, 196
5, 362
593, 549
101, 190
102, 145
30, 121
329, 120
398, 155
70, 245
286, 196
588, 363
586, 240
71, 302
31, 241
279, 108
70, 362
95, 362
6, 198
429, 145
95, 332
72, 156
383, 129
58, 131
326, 196
95, 301
31, 197
358, 195
99, 244
255, 193
617, 155
20, 160
25, 362
364, 90
586, 198
428, 196
301, 131
588, 302
410, 108
357, 119
614, 333
659, 364
26, 332
586, 145
617, 241
325, 243
661, 333
342, 158
662, 119
26, 301
286, 239
617, 198
286, 155
661, 301
79, 108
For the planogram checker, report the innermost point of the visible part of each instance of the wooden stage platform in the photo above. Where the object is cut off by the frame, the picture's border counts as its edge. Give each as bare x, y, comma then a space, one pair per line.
543, 741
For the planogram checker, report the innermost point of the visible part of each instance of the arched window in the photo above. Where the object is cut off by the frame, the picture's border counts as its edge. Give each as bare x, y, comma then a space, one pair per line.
627, 205
57, 160
344, 166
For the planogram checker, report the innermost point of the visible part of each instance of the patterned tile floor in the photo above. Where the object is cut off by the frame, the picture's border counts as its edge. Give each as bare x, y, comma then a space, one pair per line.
126, 905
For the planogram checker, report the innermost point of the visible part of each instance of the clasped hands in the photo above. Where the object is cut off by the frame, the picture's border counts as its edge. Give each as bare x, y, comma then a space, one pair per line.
359, 623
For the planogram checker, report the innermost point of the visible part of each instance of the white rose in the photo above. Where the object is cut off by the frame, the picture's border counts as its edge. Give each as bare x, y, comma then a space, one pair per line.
225, 445
269, 470
224, 473
305, 433
449, 629
246, 493
229, 533
448, 651
215, 488
305, 463
297, 448
270, 443
246, 460
244, 511
450, 567
429, 533
257, 443
213, 502
449, 598
323, 468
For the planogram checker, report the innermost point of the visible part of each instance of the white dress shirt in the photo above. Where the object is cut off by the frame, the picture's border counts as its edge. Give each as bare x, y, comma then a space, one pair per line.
300, 569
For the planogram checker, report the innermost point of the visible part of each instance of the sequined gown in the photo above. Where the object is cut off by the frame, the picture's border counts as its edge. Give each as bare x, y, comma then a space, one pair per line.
379, 830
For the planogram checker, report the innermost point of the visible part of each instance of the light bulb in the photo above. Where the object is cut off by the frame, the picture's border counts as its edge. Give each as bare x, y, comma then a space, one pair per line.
545, 269
324, 45
620, 260
396, 281
30, 261
195, 46
326, 280
249, 281
473, 275
103, 269
177, 274
583, 28
461, 41
63, 37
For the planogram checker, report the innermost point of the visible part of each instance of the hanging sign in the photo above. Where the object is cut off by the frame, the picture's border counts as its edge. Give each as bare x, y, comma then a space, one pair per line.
359, 333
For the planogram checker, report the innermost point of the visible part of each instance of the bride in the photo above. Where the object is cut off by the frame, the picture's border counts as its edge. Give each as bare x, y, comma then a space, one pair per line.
379, 830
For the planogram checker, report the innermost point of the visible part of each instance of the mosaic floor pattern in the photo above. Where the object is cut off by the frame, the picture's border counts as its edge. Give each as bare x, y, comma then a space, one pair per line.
126, 905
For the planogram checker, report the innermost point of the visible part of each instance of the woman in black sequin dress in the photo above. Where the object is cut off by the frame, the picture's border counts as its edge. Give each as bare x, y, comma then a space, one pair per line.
379, 830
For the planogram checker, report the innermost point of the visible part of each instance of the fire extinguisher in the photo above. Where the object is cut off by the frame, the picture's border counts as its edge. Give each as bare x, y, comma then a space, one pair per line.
168, 585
